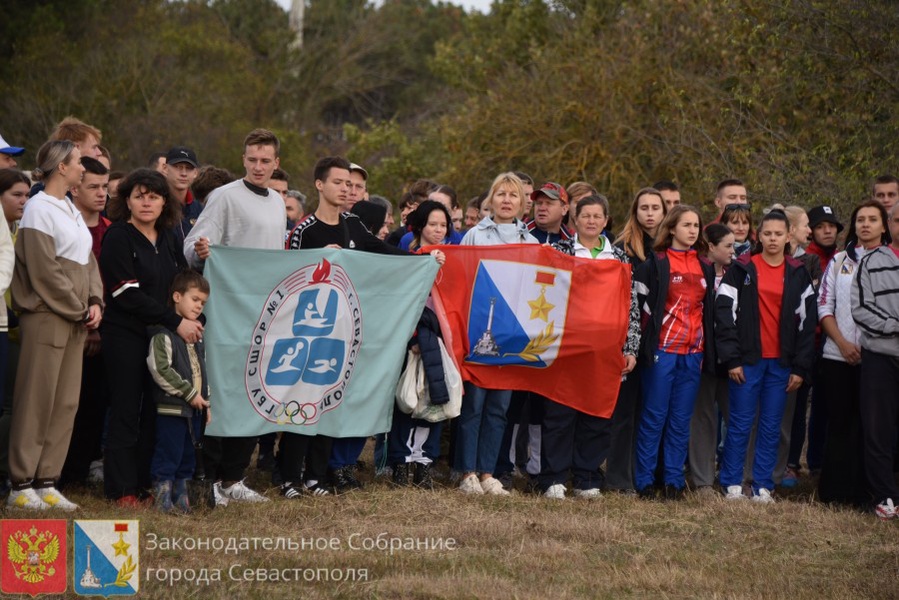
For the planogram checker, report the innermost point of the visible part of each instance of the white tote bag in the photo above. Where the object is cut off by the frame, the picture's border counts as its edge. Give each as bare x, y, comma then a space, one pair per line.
453, 379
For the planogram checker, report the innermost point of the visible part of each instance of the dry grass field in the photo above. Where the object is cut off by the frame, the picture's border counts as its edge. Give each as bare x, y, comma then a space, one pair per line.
524, 546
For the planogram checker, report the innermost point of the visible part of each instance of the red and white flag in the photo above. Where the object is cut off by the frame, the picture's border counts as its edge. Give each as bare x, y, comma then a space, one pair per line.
527, 317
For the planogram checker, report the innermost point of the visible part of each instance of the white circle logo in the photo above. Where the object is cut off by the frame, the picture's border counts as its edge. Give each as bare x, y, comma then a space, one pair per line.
304, 346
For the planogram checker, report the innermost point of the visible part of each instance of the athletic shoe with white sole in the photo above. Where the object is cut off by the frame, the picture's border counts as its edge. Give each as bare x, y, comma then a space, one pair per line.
886, 510
734, 492
492, 486
763, 496
313, 488
220, 499
590, 493
471, 485
54, 499
238, 492
555, 492
27, 499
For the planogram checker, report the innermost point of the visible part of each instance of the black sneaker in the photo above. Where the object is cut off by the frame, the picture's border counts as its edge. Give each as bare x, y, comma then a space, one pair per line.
317, 489
673, 493
291, 491
401, 474
647, 493
344, 479
423, 477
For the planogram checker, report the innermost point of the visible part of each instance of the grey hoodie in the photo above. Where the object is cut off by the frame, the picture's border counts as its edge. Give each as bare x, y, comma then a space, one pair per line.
875, 301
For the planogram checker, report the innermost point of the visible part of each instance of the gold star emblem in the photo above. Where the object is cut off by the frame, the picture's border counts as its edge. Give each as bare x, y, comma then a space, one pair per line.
121, 546
540, 308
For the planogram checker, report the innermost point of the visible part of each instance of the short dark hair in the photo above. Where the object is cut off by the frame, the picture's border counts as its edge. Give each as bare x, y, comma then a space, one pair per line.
666, 185
104, 151
116, 174
727, 183
324, 165
263, 137
153, 161
524, 177
280, 174
882, 179
188, 279
152, 181
208, 178
92, 165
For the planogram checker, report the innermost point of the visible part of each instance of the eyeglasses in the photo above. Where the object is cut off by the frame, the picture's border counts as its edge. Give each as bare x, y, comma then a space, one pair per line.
747, 207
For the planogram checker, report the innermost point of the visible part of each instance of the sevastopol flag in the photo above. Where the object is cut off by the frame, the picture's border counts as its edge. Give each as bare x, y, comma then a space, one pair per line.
309, 341
527, 317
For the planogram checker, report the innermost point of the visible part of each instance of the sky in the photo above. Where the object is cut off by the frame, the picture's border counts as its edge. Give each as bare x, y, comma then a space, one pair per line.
481, 5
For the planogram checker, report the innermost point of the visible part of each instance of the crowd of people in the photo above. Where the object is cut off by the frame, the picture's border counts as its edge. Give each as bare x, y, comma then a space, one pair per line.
737, 331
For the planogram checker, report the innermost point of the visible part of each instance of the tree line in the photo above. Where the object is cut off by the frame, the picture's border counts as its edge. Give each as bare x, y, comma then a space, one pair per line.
797, 99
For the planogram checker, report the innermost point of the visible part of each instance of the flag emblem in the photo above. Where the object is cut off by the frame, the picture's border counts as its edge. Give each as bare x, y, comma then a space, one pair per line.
34, 559
517, 313
107, 558
304, 345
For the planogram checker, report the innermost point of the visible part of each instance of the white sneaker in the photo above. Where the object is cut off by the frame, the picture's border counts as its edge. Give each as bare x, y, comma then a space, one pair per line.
886, 510
95, 474
735, 492
54, 499
27, 499
763, 496
492, 486
220, 499
471, 485
241, 493
591, 493
555, 492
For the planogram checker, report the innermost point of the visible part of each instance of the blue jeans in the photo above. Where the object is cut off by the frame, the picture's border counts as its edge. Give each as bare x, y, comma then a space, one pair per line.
174, 456
765, 394
346, 451
480, 430
670, 385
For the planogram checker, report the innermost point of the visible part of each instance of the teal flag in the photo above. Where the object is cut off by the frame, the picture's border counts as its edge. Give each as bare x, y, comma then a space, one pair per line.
309, 341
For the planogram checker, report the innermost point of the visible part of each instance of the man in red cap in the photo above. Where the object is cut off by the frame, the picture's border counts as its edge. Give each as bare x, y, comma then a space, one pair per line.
550, 209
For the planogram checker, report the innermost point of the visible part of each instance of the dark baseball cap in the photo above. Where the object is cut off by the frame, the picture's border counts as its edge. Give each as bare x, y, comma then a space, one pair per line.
551, 190
181, 154
823, 214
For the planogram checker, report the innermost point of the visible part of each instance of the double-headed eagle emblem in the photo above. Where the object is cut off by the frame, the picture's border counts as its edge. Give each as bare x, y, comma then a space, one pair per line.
35, 554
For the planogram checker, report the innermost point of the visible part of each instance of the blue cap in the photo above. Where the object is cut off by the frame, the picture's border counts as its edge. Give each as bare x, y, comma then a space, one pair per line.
11, 150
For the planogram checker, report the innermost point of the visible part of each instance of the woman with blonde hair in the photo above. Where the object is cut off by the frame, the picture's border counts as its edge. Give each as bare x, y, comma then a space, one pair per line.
57, 290
483, 419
